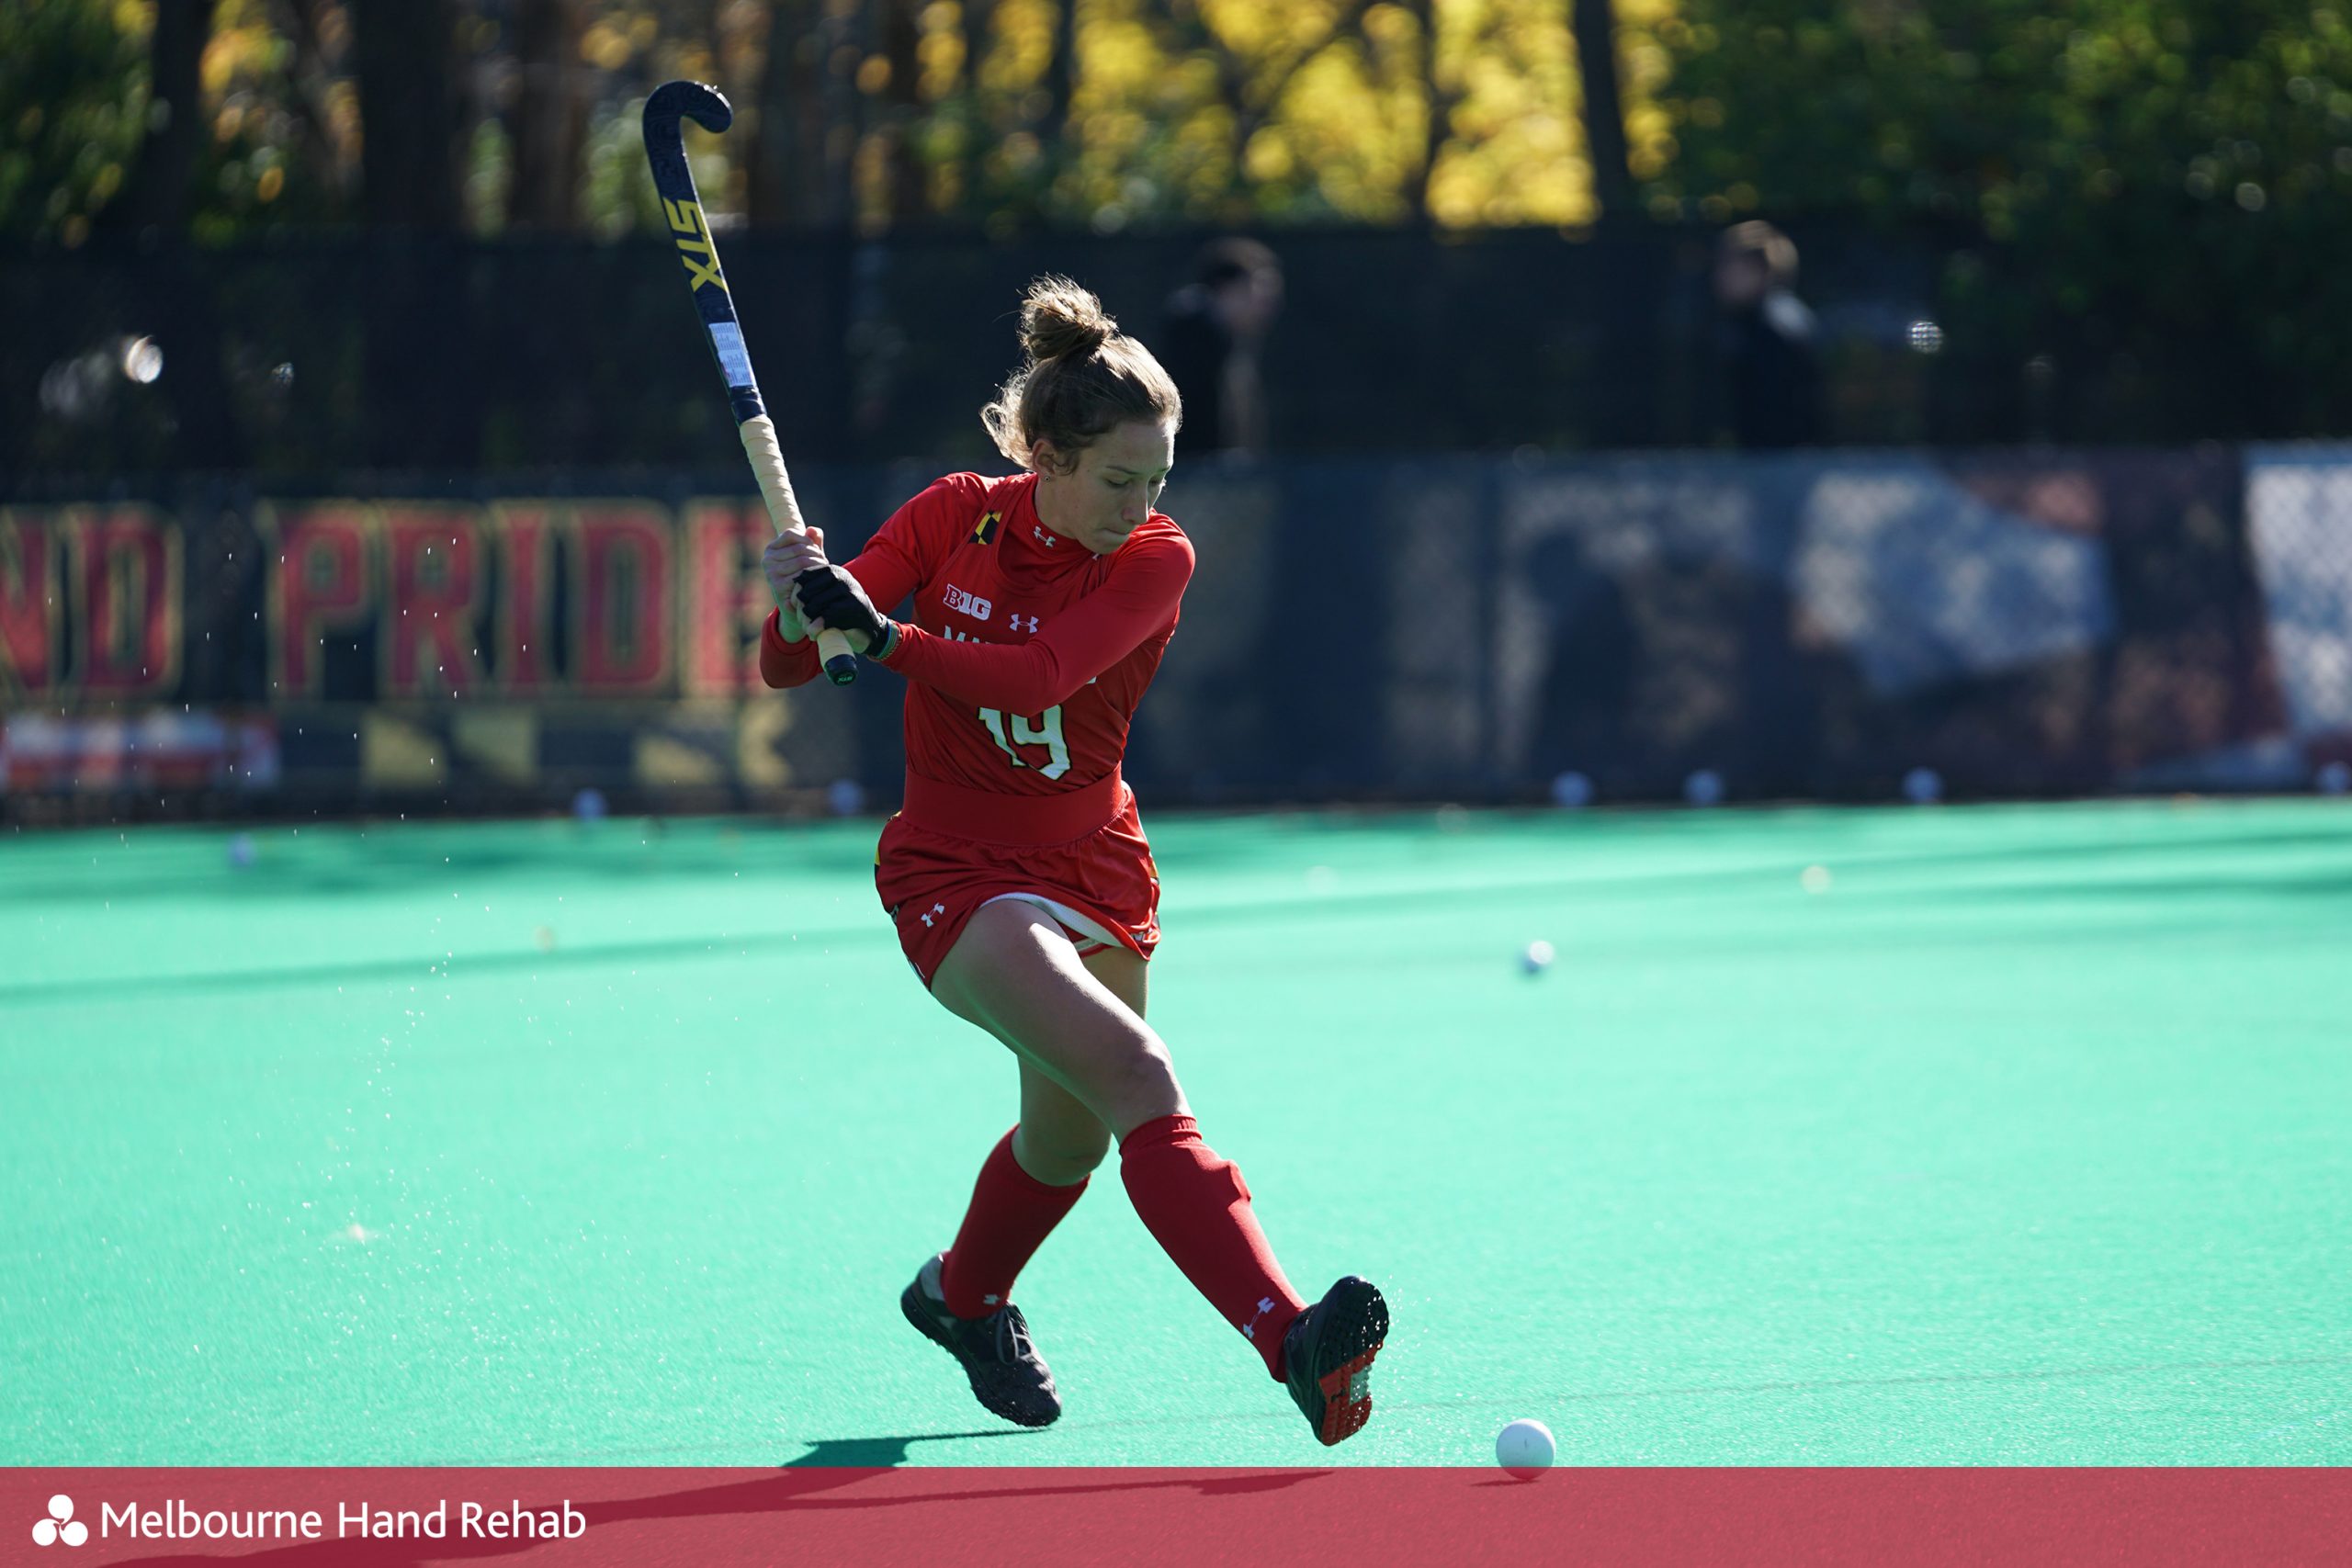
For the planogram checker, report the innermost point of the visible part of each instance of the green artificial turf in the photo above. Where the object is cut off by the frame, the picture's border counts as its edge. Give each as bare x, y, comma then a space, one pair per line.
2011, 1136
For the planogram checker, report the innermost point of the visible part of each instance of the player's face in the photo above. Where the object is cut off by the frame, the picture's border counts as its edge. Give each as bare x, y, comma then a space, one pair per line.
1111, 490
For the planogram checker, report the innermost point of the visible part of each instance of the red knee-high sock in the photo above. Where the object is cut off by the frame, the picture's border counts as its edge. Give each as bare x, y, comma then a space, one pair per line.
1012, 1214
1197, 1207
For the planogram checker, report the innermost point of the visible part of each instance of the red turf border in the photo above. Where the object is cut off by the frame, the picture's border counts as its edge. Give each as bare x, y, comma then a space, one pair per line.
1197, 1517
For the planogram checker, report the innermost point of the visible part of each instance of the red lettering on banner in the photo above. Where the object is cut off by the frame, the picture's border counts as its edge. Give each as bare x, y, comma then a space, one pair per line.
28, 619
318, 583
129, 633
620, 600
525, 637
727, 596
432, 561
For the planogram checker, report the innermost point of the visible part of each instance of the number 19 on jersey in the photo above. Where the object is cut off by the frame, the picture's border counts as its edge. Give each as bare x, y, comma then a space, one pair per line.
1047, 732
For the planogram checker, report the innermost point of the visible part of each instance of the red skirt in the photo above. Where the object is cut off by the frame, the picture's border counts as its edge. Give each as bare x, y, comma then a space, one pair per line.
932, 882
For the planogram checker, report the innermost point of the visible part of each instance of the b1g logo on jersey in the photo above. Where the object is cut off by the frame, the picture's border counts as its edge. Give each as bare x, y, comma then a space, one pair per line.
972, 605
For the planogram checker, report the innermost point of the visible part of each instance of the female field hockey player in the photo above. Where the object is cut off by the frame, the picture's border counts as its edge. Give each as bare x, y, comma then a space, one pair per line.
1018, 875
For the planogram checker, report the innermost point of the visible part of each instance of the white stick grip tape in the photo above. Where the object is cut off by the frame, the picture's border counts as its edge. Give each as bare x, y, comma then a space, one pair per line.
775, 485
784, 511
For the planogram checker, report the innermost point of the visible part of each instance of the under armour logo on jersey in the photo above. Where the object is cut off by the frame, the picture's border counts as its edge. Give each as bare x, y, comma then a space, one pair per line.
1017, 621
1037, 532
935, 910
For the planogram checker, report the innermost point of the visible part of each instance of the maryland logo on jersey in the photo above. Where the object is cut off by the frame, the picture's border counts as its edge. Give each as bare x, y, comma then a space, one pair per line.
985, 530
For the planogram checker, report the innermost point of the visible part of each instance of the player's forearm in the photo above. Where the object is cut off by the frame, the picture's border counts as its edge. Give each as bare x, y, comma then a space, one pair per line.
784, 664
881, 570
1027, 678
1047, 670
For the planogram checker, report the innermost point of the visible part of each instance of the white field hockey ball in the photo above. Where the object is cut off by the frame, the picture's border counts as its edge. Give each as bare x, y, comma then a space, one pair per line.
1525, 1450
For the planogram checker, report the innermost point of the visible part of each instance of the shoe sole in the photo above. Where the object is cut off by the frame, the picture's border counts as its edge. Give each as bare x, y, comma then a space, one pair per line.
1355, 1325
910, 1303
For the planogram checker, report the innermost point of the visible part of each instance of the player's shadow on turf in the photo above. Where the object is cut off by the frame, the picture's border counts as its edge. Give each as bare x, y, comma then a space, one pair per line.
876, 1453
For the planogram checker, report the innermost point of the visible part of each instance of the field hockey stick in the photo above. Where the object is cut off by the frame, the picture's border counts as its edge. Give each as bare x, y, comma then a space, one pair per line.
666, 149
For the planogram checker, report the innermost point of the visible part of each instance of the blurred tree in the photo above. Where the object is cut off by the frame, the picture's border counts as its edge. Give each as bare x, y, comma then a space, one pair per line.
841, 100
784, 158
275, 136
1462, 112
1061, 73
964, 144
1514, 151
1604, 114
73, 107
909, 193
2168, 187
323, 103
176, 301
548, 118
156, 194
1436, 104
281, 139
487, 113
409, 110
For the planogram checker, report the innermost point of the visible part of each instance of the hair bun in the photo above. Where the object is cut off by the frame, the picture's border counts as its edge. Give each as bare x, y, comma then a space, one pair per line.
1079, 377
1060, 321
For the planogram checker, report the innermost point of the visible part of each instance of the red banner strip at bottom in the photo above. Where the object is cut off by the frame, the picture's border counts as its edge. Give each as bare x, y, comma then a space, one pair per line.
387, 1517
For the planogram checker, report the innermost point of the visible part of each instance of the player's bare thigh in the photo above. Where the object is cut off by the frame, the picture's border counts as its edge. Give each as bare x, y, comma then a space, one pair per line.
1014, 973
1127, 977
1059, 1141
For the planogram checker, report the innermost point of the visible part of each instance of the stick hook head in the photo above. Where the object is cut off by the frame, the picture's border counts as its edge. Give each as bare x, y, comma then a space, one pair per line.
696, 101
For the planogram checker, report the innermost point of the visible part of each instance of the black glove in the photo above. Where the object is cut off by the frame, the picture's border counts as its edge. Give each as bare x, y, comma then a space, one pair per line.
830, 594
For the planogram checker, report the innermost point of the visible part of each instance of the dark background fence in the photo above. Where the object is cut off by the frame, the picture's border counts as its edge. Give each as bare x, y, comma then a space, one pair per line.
318, 354
1499, 629
358, 447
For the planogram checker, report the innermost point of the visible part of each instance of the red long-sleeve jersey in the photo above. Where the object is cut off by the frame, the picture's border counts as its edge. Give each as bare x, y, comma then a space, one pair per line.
1026, 657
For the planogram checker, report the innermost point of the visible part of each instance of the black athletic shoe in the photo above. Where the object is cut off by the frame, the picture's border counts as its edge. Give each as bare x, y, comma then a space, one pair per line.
1009, 1377
1326, 1357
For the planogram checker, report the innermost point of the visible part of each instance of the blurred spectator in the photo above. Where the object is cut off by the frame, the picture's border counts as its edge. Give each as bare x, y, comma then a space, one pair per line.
1586, 704
1215, 328
1771, 373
